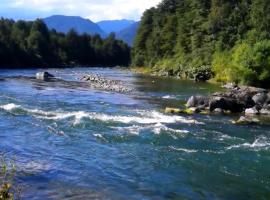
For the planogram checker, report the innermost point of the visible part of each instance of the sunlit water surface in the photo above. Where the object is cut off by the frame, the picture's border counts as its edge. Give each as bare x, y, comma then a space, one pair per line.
73, 142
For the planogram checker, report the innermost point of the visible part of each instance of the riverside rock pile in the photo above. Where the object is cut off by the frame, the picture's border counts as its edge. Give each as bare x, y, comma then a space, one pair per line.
98, 82
248, 100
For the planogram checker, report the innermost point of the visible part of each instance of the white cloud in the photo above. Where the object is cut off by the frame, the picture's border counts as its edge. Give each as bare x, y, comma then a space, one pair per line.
93, 9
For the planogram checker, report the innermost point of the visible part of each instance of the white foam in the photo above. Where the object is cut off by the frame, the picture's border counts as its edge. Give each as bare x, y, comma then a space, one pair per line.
259, 144
184, 150
9, 107
168, 97
141, 117
155, 128
158, 128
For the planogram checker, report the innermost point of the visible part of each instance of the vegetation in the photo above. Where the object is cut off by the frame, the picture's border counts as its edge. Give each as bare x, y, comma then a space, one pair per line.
230, 36
7, 173
31, 44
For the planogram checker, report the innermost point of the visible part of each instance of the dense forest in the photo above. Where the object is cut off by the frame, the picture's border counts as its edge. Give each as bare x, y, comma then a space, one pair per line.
229, 37
31, 44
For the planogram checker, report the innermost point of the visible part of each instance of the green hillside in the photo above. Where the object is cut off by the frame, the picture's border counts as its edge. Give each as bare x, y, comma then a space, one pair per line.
229, 37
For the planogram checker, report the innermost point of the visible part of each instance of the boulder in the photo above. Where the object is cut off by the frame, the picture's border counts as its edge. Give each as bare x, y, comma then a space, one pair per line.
230, 86
245, 98
260, 98
252, 111
188, 111
196, 101
44, 76
226, 104
218, 110
246, 121
265, 111
173, 110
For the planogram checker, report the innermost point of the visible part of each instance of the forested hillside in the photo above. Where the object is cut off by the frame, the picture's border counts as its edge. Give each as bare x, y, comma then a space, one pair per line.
230, 37
31, 44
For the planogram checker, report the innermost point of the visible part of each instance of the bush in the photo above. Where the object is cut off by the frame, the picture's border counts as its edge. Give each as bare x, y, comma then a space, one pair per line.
245, 64
7, 173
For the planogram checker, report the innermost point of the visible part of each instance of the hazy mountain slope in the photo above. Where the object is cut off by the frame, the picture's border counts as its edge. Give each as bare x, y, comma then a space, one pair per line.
128, 34
65, 23
114, 25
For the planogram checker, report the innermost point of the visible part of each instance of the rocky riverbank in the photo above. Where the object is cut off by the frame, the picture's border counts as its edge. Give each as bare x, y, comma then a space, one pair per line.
98, 82
249, 101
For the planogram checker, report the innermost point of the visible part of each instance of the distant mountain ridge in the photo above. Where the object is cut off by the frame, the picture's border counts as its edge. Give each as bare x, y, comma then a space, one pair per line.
65, 23
124, 29
115, 26
128, 34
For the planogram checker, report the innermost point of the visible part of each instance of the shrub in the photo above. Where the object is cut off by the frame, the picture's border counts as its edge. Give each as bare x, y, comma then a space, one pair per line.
7, 173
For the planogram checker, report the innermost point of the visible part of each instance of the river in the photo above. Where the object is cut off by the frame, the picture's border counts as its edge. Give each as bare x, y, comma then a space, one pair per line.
73, 142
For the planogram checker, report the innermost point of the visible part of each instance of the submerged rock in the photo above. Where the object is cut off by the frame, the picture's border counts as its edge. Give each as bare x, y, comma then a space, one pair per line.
245, 121
44, 76
173, 110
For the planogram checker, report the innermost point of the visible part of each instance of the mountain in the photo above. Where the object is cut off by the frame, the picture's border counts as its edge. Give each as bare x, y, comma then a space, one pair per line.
191, 37
129, 33
114, 25
65, 23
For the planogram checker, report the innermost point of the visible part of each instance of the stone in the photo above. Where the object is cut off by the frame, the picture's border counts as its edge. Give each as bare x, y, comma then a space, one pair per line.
251, 111
230, 86
245, 121
265, 111
44, 76
226, 104
173, 110
260, 98
196, 101
218, 110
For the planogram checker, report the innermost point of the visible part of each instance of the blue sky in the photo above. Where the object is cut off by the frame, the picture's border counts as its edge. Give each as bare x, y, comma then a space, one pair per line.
95, 10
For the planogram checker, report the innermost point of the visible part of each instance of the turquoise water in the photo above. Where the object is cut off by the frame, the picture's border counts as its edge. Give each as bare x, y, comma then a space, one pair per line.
73, 142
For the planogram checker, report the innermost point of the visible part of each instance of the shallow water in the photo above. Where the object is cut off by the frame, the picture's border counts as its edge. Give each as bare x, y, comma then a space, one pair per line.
73, 142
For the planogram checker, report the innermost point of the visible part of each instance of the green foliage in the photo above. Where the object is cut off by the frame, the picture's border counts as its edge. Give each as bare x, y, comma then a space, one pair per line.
186, 35
246, 64
7, 174
31, 44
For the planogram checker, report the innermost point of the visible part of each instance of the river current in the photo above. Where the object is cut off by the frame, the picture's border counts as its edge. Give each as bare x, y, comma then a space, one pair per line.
74, 142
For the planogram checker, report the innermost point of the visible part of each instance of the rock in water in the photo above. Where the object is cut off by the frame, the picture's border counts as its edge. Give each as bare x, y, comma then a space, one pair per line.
197, 101
225, 104
251, 111
173, 110
230, 86
260, 98
44, 76
265, 111
246, 121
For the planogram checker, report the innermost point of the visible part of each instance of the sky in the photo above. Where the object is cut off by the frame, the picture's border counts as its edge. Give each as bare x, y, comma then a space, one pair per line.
95, 10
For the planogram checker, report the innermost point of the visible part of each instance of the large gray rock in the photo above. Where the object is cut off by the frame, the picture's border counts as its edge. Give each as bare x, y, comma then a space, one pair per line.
198, 101
226, 104
44, 76
260, 98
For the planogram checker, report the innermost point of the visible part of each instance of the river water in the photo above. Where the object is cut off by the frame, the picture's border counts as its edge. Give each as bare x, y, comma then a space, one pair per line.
74, 142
